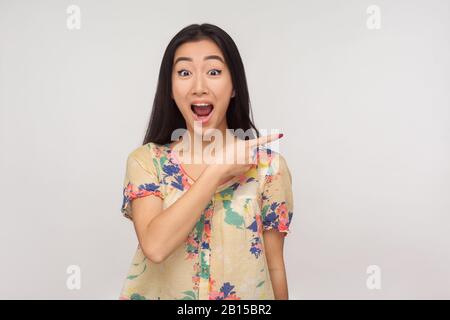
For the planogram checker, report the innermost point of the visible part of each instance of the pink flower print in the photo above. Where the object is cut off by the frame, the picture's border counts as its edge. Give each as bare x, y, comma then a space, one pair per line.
242, 179
259, 224
282, 210
195, 281
185, 182
192, 247
269, 179
214, 295
209, 213
225, 292
207, 231
282, 226
130, 192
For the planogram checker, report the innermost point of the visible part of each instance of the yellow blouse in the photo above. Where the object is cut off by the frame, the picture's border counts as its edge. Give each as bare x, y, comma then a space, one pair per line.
223, 257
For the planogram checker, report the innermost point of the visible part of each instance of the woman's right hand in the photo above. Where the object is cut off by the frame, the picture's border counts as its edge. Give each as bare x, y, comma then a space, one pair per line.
242, 161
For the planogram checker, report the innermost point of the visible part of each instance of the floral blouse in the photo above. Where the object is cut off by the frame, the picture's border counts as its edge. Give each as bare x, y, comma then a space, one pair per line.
223, 258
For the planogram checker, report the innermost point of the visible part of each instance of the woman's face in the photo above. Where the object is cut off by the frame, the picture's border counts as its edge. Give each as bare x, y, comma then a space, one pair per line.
201, 84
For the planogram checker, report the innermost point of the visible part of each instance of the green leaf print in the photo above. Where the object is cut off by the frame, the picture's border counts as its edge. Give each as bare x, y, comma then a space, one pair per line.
189, 295
199, 226
190, 248
204, 268
264, 211
137, 296
260, 284
232, 217
226, 194
155, 163
162, 160
131, 277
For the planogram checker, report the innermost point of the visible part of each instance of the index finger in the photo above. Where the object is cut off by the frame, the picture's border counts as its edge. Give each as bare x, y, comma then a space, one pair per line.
266, 139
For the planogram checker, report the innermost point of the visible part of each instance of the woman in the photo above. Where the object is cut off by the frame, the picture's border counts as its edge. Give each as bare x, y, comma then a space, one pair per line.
206, 230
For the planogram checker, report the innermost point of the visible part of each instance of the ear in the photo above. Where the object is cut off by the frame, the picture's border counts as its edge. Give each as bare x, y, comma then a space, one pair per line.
233, 94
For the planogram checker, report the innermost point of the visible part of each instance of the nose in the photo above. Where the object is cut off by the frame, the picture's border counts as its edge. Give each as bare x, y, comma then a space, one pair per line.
200, 86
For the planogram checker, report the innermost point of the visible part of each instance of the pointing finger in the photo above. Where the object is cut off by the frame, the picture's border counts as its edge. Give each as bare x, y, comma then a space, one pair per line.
266, 139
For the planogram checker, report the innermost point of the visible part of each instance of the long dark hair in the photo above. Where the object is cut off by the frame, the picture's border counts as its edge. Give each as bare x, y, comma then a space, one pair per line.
166, 117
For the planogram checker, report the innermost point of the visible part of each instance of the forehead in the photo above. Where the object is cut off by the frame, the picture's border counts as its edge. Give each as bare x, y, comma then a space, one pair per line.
198, 49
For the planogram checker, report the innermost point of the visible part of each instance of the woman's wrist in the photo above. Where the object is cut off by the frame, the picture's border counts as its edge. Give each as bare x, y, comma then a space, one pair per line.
216, 172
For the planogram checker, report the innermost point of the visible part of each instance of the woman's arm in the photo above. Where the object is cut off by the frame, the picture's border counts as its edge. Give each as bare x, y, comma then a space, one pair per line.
274, 243
160, 231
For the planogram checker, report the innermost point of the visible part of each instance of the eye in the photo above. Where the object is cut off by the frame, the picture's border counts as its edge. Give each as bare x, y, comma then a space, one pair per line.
183, 73
215, 71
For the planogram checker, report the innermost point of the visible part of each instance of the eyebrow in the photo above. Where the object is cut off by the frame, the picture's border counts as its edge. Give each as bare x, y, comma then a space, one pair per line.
216, 57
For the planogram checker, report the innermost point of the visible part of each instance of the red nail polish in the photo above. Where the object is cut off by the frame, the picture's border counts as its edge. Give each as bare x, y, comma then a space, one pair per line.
280, 135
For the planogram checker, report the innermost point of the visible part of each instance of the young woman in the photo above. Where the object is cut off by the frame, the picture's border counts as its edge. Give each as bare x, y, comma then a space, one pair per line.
206, 230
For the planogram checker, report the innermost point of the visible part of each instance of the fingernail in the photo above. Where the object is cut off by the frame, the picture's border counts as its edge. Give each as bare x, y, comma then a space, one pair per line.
280, 135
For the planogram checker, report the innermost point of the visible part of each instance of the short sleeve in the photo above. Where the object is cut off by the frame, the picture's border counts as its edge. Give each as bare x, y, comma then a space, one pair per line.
141, 180
277, 200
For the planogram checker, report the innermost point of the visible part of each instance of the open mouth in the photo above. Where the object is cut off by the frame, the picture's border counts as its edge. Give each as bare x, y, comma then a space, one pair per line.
202, 110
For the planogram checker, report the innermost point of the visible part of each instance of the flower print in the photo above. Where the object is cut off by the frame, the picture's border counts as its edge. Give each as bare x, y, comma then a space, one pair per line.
271, 216
185, 182
197, 262
191, 246
205, 242
195, 282
283, 226
285, 220
146, 189
196, 276
207, 230
194, 238
178, 182
256, 227
282, 209
137, 296
215, 295
170, 169
226, 292
253, 226
277, 216
200, 238
269, 179
256, 247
